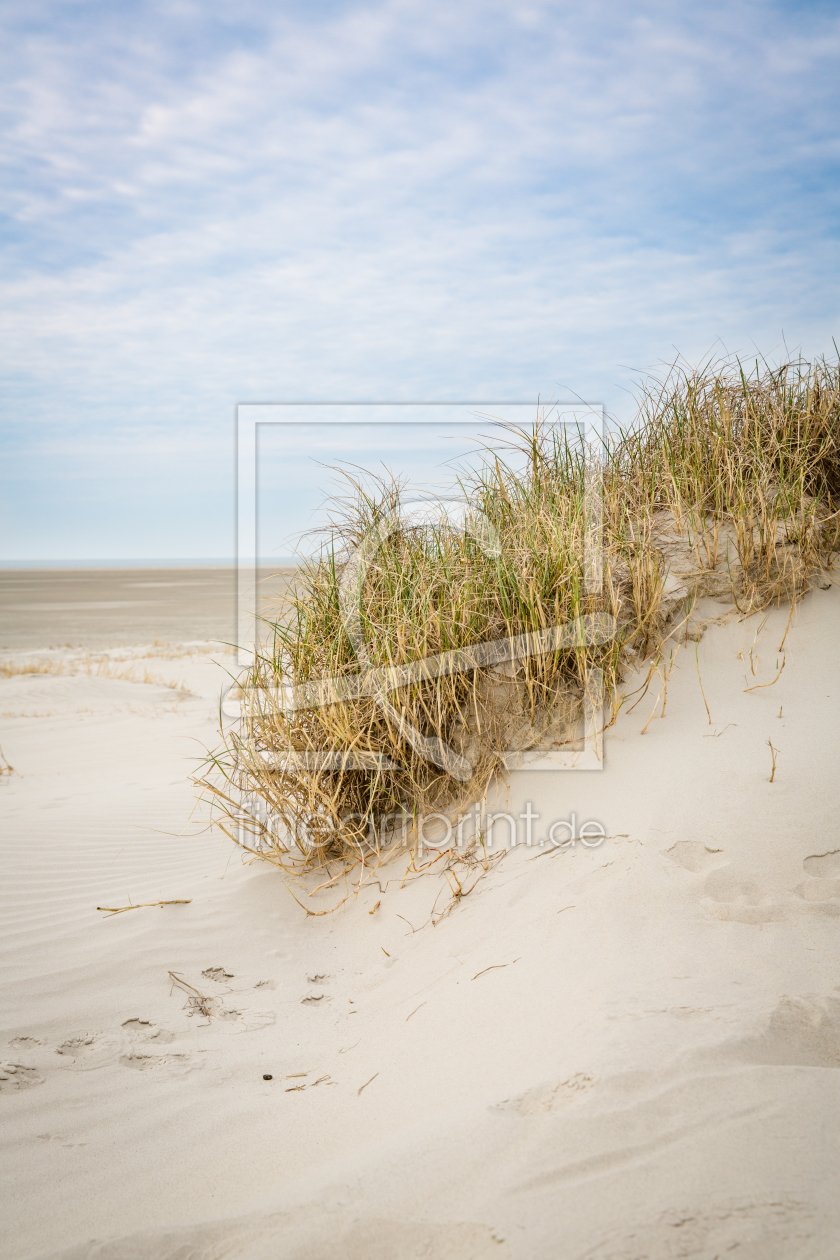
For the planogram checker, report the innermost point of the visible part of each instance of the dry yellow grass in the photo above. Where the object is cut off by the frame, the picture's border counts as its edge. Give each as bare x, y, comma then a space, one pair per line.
727, 484
89, 666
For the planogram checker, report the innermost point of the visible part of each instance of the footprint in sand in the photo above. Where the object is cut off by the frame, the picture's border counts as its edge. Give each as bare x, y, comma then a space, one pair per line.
738, 899
134, 1046
800, 1032
155, 1062
548, 1097
24, 1066
735, 897
316, 999
218, 974
822, 887
88, 1051
14, 1076
145, 1030
728, 896
819, 890
147, 1036
695, 857
823, 864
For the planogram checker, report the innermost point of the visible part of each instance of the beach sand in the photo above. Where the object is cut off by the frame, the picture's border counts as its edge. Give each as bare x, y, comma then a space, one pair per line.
603, 1053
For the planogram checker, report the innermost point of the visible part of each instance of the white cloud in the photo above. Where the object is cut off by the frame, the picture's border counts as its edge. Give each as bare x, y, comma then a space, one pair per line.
399, 199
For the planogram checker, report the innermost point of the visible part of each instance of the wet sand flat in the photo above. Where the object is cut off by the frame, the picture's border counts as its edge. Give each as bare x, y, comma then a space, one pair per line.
103, 608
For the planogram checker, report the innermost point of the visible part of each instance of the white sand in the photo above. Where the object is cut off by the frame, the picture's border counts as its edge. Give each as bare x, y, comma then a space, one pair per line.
648, 1069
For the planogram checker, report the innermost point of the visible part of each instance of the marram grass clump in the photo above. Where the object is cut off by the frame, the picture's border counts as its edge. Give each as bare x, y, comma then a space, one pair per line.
727, 484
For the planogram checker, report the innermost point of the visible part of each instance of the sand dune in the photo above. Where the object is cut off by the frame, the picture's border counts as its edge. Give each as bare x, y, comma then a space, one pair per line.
609, 1053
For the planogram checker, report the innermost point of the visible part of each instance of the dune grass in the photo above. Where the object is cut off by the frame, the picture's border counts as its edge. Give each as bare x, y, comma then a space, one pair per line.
88, 665
727, 484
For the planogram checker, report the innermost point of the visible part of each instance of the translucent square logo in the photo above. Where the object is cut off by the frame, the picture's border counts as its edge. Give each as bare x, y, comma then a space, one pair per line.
291, 461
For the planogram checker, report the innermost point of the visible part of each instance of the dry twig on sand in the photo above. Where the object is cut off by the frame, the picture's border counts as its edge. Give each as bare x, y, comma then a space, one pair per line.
759, 686
198, 1001
700, 680
142, 905
494, 967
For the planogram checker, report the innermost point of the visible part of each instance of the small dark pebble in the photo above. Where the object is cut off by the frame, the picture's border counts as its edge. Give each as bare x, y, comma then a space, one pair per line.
267, 1076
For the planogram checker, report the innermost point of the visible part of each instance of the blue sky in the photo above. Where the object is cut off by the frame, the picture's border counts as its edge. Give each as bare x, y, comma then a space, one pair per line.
202, 204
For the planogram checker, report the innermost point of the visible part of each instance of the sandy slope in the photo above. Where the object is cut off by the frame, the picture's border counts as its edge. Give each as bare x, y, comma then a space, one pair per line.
620, 1052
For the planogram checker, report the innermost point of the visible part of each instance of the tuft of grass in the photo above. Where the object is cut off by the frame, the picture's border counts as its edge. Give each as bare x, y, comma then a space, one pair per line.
727, 484
89, 666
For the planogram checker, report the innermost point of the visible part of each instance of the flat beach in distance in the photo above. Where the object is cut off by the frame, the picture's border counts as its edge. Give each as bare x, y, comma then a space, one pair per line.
95, 608
596, 1053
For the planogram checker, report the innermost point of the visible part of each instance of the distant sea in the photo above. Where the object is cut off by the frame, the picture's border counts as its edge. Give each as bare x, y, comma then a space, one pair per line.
99, 604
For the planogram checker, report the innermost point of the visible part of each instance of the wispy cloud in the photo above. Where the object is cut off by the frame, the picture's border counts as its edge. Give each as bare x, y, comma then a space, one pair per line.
396, 199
